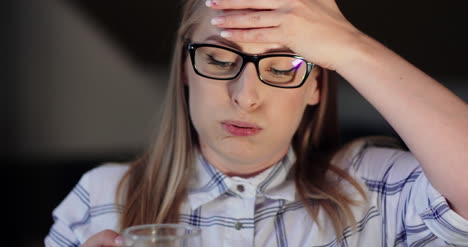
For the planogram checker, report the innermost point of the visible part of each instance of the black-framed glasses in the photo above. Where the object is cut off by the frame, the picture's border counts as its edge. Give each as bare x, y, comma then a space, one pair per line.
223, 63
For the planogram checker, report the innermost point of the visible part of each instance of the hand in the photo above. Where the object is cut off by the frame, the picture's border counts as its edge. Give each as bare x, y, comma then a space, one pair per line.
314, 29
106, 238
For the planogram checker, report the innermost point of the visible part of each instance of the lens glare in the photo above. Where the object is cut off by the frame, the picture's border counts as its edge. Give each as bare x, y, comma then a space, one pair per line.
282, 71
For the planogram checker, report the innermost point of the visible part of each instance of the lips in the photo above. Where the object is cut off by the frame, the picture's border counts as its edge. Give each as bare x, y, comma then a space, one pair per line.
238, 128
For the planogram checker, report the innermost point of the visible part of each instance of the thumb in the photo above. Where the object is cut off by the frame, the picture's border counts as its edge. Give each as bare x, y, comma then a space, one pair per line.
106, 238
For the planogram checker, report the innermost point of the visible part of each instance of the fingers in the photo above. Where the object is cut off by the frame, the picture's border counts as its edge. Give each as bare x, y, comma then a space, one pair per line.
244, 4
253, 19
106, 238
258, 20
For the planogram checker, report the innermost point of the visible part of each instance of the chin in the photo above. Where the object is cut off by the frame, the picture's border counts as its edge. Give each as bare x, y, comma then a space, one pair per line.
246, 155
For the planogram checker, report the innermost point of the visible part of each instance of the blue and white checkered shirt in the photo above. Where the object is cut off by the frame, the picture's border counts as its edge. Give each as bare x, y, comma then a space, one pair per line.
403, 209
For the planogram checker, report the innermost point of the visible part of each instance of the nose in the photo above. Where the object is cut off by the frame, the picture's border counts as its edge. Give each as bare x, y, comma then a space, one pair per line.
244, 89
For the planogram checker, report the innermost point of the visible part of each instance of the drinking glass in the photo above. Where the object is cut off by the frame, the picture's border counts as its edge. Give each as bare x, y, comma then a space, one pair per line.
158, 235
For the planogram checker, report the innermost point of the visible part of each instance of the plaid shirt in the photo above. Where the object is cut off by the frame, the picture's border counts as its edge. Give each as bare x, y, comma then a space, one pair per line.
402, 209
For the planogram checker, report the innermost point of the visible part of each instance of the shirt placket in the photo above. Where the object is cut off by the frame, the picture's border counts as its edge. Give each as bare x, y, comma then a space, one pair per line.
241, 207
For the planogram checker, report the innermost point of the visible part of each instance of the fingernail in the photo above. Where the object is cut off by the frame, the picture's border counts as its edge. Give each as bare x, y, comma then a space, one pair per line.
211, 3
118, 241
225, 34
217, 21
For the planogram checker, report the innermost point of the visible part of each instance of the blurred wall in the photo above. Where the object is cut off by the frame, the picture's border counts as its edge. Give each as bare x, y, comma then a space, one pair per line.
77, 93
7, 73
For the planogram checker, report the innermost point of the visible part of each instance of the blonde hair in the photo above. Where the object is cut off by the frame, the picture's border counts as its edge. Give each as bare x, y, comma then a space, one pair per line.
155, 186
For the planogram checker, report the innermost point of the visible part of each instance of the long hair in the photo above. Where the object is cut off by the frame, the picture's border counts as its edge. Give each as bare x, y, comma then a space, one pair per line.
155, 185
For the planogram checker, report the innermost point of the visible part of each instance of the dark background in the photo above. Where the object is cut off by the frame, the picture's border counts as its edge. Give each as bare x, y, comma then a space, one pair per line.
430, 34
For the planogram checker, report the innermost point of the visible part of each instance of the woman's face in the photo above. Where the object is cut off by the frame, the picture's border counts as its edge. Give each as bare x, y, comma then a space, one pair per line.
243, 125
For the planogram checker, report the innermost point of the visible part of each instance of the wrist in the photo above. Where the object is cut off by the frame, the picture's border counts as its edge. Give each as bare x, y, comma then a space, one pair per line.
360, 49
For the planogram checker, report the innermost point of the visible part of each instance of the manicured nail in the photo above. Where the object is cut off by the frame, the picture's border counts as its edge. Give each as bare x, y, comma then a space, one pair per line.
217, 21
225, 34
118, 241
211, 3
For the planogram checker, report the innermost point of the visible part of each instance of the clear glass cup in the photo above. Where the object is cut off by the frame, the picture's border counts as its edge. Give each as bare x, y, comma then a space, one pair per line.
158, 235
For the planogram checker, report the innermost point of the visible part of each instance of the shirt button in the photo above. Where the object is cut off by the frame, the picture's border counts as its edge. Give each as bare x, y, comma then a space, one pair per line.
240, 188
238, 226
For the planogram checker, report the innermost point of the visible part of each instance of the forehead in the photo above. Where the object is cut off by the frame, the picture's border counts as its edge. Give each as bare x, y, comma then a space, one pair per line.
207, 33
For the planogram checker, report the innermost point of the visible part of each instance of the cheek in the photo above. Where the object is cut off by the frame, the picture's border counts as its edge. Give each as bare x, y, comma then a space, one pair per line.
205, 100
196, 92
197, 100
290, 110
198, 110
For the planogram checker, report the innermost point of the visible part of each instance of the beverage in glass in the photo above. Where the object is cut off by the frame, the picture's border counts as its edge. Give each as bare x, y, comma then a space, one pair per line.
159, 235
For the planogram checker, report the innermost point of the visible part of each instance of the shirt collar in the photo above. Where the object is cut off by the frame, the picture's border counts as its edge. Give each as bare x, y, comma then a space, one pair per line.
208, 183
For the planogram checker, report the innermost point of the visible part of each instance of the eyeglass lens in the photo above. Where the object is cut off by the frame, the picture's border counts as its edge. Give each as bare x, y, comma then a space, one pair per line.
223, 64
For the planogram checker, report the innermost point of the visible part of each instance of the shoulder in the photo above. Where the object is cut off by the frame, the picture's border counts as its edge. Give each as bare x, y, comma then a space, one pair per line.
97, 186
101, 182
376, 157
106, 173
382, 158
91, 205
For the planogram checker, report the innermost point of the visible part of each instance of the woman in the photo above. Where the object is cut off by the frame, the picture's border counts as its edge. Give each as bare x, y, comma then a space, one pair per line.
247, 145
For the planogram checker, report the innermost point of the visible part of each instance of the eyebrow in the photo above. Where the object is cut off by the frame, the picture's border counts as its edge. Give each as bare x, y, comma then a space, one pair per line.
237, 46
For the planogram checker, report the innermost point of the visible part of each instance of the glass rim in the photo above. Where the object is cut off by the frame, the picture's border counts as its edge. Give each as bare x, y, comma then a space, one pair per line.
127, 232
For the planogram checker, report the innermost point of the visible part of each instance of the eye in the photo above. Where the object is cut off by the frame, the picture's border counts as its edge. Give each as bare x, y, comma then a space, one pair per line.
223, 64
278, 72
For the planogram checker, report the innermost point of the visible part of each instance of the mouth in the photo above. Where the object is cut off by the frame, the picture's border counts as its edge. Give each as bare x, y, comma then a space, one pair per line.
238, 128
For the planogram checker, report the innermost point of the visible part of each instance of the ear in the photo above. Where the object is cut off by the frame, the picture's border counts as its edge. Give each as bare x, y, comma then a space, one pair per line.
317, 78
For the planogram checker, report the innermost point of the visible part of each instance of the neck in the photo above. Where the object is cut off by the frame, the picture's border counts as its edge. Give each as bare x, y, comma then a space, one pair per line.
236, 166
